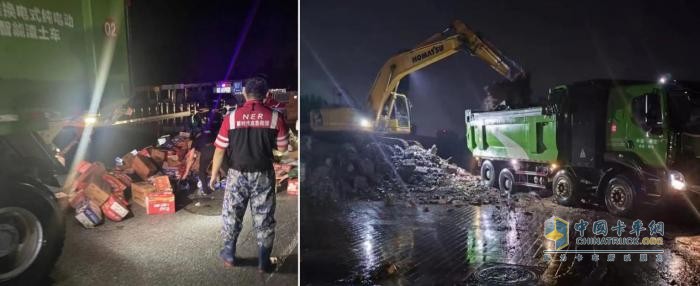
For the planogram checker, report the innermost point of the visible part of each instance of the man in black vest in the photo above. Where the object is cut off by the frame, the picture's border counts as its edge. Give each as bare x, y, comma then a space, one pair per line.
250, 133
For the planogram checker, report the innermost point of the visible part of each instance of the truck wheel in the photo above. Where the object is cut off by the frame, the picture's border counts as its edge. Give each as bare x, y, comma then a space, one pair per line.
506, 181
564, 189
31, 234
488, 173
620, 197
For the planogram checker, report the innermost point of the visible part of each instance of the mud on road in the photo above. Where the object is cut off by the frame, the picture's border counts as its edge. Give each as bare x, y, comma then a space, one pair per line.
446, 228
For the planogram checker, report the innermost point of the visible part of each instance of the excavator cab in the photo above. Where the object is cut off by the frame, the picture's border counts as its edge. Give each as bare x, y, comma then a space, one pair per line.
396, 116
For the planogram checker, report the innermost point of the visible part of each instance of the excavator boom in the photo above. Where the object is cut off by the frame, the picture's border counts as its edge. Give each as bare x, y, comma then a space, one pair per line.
389, 110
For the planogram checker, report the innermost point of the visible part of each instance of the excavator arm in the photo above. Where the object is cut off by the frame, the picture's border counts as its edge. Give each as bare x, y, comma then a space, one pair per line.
435, 49
384, 103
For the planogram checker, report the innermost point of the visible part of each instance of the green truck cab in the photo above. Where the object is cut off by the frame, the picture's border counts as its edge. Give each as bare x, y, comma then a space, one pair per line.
59, 62
624, 142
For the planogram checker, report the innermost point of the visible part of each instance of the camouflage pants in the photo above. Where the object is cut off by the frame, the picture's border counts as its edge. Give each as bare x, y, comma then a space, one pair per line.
259, 189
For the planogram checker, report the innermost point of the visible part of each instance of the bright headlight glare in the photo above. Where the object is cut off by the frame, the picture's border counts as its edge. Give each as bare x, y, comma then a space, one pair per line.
364, 122
90, 119
676, 180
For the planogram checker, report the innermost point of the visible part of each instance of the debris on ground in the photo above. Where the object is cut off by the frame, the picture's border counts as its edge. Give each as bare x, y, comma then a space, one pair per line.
388, 170
145, 177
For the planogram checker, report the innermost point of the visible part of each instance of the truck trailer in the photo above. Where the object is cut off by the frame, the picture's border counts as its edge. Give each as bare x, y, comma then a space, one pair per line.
60, 61
623, 142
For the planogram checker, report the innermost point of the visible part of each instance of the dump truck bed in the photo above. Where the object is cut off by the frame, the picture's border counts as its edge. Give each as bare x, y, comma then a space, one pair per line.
523, 134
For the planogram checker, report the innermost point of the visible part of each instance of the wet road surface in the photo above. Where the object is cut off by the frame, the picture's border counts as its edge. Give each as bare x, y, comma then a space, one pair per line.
177, 249
398, 243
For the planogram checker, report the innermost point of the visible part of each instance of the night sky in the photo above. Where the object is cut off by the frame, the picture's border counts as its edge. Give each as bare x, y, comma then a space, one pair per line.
193, 41
555, 41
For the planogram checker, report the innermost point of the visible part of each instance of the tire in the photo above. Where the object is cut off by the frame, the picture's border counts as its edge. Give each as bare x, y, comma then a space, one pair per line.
488, 173
565, 189
506, 181
31, 207
620, 196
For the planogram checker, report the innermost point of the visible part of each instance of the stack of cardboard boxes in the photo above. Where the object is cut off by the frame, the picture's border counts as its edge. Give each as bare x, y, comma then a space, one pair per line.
97, 193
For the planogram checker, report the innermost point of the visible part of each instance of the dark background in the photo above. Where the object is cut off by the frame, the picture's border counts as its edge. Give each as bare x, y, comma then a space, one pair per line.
194, 41
557, 42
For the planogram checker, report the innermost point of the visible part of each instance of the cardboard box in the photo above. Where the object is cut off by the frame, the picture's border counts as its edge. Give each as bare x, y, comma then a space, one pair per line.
76, 199
128, 159
83, 166
98, 192
293, 187
158, 156
172, 159
139, 191
115, 208
123, 177
161, 183
89, 214
160, 203
144, 167
92, 173
184, 144
117, 185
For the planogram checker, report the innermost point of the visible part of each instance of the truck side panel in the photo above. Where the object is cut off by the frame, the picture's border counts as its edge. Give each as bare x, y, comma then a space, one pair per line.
524, 134
51, 53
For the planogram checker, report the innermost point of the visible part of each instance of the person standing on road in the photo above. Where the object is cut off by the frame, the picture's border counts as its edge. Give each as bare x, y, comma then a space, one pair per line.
250, 133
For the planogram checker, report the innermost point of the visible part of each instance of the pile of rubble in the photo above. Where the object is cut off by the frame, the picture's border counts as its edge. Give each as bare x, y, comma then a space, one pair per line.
142, 177
388, 169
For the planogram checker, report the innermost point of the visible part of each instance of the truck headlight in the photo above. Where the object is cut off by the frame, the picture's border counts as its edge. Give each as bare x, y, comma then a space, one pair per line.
676, 180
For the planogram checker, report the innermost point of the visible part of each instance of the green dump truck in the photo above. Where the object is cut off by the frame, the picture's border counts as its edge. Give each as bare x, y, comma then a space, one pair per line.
59, 60
625, 142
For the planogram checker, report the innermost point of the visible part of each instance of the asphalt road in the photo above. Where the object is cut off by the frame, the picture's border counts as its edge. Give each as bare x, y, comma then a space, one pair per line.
400, 243
177, 249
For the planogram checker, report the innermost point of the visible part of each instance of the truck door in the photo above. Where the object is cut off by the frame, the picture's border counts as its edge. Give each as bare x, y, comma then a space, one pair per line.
646, 135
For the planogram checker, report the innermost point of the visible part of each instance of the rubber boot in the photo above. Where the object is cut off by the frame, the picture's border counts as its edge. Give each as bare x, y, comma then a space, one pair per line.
228, 253
264, 263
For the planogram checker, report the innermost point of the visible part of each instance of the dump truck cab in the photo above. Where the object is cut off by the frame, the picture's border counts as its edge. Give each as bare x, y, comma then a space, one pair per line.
626, 142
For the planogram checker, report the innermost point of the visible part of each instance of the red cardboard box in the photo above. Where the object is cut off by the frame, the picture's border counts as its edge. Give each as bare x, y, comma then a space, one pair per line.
75, 199
144, 167
115, 209
160, 203
293, 187
117, 185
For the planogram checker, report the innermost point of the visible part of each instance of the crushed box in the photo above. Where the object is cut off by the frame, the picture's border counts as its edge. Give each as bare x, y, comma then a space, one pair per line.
88, 214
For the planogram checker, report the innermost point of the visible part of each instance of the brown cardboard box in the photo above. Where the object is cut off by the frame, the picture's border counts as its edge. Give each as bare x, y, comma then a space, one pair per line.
144, 167
172, 160
161, 183
128, 160
158, 156
98, 192
139, 191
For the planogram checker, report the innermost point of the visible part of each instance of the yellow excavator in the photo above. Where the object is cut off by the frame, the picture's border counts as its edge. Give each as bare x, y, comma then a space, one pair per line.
389, 111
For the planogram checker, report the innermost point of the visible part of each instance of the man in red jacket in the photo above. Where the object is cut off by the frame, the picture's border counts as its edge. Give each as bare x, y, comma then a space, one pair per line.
250, 133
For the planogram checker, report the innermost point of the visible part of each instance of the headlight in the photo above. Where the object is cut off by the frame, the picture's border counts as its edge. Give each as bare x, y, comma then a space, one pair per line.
365, 123
676, 180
